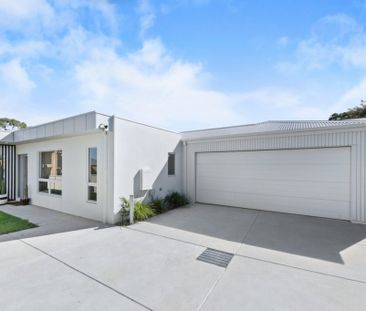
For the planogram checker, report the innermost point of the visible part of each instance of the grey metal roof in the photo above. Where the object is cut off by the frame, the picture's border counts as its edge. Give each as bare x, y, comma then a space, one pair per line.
272, 126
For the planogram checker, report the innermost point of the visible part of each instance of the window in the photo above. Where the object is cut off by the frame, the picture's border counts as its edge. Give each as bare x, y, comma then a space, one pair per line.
171, 164
50, 172
92, 174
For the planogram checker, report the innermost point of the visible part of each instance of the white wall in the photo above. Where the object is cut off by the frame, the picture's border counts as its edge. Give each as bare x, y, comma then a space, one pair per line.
354, 138
136, 147
74, 174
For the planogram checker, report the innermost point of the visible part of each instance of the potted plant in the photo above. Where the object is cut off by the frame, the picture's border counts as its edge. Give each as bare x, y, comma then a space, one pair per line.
3, 194
24, 200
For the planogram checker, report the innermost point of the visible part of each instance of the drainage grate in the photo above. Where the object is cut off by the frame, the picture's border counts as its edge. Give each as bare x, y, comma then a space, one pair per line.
216, 257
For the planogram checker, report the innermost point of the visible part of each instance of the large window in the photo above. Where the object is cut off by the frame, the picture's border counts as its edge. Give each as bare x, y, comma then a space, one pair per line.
50, 172
171, 164
92, 174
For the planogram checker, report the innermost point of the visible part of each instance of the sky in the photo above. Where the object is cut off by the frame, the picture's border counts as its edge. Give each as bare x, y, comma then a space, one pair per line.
182, 64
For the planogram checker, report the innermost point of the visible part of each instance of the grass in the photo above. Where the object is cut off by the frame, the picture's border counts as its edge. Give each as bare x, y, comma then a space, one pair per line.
9, 223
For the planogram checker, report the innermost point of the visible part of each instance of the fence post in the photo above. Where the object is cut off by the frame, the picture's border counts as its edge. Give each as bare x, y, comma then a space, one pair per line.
132, 208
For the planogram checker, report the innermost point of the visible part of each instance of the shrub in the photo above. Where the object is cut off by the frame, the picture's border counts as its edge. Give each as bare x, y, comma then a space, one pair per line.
175, 199
158, 205
143, 211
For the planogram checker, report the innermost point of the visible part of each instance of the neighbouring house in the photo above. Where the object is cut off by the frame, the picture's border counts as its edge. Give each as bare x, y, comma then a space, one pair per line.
84, 164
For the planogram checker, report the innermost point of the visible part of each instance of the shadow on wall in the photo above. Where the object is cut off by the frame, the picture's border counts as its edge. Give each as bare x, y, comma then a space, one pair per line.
307, 236
147, 188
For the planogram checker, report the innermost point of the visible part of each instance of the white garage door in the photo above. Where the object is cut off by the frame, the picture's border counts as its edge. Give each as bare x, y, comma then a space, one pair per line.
307, 181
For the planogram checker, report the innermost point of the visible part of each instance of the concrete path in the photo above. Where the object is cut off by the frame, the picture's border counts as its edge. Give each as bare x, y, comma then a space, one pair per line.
48, 222
281, 262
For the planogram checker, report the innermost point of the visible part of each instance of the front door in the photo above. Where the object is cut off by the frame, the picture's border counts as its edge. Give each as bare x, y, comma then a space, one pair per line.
23, 176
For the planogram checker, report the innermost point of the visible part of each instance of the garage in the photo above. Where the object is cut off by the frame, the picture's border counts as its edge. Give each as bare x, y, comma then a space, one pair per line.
312, 182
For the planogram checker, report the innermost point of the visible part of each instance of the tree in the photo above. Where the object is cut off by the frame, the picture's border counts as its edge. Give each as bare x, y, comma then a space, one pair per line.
353, 113
10, 124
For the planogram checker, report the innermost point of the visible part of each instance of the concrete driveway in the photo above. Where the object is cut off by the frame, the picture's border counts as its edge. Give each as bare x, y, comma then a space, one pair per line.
281, 262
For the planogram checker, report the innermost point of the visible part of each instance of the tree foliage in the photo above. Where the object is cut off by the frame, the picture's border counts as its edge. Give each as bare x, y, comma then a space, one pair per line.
10, 124
353, 113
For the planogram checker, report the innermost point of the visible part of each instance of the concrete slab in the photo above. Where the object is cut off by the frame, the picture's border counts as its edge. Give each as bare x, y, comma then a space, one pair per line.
30, 280
322, 245
213, 226
161, 273
48, 221
250, 284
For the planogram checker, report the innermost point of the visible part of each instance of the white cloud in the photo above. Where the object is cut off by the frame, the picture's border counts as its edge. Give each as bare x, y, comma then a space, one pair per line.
147, 16
81, 67
335, 39
157, 89
15, 76
25, 14
352, 97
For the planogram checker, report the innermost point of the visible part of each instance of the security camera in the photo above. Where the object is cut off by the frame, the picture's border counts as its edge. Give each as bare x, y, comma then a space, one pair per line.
103, 127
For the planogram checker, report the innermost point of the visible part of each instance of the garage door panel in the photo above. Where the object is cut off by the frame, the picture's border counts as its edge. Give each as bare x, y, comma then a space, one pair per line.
293, 173
269, 157
311, 181
316, 190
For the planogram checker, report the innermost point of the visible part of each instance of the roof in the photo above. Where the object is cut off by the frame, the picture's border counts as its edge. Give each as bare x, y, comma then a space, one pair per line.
75, 125
272, 127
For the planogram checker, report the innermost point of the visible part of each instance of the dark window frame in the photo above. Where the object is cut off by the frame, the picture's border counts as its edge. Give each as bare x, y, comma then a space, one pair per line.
171, 164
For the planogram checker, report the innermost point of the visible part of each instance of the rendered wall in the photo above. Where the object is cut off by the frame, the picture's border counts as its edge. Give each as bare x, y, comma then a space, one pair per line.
74, 175
139, 147
354, 138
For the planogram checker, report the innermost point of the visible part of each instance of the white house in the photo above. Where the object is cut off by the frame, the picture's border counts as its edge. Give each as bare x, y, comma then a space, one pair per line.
83, 165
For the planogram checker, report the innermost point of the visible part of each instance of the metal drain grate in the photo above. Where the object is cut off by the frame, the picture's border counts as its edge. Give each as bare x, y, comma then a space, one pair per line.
216, 257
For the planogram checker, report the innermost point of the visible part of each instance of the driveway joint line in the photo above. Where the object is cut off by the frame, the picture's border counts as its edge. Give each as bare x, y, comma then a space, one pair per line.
211, 290
167, 237
250, 228
302, 269
86, 275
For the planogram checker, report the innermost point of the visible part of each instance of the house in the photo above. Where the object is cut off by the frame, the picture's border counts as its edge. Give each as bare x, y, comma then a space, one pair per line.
84, 164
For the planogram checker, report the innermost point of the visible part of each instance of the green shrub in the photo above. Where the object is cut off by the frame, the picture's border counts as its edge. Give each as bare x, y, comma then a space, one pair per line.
175, 199
143, 211
158, 205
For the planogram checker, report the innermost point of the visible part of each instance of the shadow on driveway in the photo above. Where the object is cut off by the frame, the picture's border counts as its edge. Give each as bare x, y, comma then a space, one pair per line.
313, 237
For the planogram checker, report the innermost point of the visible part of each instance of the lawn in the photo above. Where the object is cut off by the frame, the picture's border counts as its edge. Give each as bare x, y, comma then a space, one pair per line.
9, 223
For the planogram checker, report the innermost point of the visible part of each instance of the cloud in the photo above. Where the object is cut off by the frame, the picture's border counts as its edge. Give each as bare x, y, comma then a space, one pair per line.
152, 87
14, 76
352, 97
84, 66
147, 16
334, 40
25, 15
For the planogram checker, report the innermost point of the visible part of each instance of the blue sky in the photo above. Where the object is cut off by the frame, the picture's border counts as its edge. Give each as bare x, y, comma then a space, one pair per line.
182, 64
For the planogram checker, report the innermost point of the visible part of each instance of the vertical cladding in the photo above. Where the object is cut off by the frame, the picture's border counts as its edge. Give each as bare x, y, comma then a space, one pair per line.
331, 138
8, 158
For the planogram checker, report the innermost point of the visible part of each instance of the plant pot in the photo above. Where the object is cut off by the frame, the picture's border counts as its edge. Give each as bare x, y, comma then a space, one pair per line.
24, 201
3, 198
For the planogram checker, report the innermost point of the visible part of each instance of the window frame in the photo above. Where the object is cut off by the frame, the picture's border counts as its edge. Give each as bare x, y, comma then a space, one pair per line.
88, 182
169, 155
48, 180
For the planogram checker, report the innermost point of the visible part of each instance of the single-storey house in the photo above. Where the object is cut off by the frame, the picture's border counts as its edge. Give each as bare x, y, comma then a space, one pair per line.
84, 164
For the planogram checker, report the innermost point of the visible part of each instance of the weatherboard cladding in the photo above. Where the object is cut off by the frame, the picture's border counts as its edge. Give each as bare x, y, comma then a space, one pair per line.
354, 138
